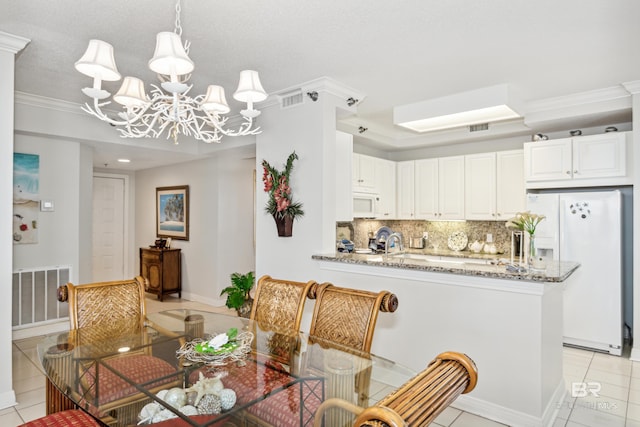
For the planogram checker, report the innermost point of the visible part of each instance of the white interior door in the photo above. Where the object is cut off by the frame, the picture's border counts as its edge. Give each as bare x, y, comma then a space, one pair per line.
108, 228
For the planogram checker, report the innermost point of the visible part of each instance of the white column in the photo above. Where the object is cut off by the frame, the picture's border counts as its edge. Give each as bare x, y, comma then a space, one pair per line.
9, 46
309, 128
634, 89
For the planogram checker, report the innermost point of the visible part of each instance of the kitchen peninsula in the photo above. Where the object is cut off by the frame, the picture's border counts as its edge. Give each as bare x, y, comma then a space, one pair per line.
509, 323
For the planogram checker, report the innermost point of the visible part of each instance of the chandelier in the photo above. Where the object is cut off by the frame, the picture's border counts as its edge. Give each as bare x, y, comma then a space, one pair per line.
169, 109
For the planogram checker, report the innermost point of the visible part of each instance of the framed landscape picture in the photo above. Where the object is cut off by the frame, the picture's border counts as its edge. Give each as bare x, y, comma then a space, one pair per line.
172, 212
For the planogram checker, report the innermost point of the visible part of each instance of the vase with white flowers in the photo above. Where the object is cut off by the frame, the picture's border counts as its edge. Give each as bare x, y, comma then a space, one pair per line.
280, 204
527, 222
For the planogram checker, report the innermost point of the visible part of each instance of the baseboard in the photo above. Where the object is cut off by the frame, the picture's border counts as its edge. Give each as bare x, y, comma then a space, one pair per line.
511, 417
7, 399
635, 354
215, 302
58, 326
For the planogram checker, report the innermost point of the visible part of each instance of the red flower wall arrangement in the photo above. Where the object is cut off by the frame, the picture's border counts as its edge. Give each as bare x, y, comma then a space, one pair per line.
281, 204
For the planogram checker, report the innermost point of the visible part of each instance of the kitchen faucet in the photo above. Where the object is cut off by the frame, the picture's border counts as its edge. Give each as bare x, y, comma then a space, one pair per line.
396, 236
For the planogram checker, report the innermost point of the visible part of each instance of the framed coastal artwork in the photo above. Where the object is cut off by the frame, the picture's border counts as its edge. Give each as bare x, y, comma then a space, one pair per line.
172, 212
26, 205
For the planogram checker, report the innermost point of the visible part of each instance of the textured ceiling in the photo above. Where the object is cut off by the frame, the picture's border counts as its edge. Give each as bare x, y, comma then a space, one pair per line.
396, 52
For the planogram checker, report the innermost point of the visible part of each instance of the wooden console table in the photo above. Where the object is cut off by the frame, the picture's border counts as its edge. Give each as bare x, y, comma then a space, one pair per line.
162, 269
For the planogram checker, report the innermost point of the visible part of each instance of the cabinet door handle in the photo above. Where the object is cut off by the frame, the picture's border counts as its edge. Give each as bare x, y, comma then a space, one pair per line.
575, 172
568, 172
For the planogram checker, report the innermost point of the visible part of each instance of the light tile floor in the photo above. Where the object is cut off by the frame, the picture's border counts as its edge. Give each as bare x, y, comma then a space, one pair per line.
617, 378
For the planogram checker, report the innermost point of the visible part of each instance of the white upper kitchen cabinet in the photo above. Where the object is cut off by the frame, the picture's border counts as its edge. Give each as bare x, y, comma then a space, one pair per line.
426, 189
451, 187
344, 194
595, 160
439, 188
494, 185
385, 183
480, 186
405, 186
510, 189
363, 173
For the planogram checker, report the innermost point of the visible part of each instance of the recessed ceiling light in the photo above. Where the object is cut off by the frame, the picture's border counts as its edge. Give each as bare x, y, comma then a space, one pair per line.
124, 160
484, 105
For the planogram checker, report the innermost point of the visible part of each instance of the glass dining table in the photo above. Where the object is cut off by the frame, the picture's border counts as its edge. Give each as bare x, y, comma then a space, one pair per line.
195, 368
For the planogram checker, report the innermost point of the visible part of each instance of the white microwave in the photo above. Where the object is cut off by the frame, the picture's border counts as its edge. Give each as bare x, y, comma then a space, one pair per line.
364, 205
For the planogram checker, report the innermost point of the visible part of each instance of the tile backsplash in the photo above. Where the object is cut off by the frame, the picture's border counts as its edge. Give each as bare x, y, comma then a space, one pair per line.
359, 230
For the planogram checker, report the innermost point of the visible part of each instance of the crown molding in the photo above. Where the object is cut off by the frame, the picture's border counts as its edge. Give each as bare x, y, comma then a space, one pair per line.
320, 85
599, 101
48, 103
632, 87
582, 98
12, 43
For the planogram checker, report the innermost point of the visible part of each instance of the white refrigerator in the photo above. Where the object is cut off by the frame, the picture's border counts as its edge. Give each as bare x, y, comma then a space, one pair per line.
586, 227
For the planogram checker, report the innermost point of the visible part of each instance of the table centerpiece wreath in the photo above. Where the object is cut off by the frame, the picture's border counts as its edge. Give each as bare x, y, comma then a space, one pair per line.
219, 350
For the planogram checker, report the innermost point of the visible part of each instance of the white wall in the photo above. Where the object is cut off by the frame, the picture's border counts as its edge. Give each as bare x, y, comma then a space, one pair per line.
220, 219
63, 232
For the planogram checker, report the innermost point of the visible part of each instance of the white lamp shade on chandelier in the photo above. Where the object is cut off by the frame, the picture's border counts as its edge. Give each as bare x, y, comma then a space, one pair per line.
215, 101
171, 110
170, 57
131, 93
99, 63
249, 88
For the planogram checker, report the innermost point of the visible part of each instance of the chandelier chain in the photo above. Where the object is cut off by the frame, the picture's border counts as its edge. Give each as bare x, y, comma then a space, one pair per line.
178, 24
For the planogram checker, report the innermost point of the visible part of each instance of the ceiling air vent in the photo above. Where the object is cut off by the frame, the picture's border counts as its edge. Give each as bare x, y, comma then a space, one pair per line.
291, 99
479, 127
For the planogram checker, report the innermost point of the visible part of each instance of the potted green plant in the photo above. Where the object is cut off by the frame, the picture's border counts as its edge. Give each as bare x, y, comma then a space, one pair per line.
238, 296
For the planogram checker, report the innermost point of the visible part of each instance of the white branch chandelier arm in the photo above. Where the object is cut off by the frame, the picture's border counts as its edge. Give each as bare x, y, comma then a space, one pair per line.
244, 129
169, 109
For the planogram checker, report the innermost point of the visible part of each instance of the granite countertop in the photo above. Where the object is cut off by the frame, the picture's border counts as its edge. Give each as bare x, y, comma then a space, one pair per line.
461, 263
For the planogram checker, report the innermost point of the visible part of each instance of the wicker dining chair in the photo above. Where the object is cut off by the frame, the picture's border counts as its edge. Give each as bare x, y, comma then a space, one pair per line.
345, 319
278, 306
68, 418
416, 403
280, 303
348, 316
102, 313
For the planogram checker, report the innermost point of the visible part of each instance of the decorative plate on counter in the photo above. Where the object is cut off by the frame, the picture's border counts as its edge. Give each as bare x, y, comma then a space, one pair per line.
383, 234
457, 241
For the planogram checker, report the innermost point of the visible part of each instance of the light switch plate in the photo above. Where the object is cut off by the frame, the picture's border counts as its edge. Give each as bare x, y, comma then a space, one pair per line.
46, 206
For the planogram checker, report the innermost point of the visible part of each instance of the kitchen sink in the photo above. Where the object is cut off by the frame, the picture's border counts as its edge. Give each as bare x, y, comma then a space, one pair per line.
429, 258
418, 257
